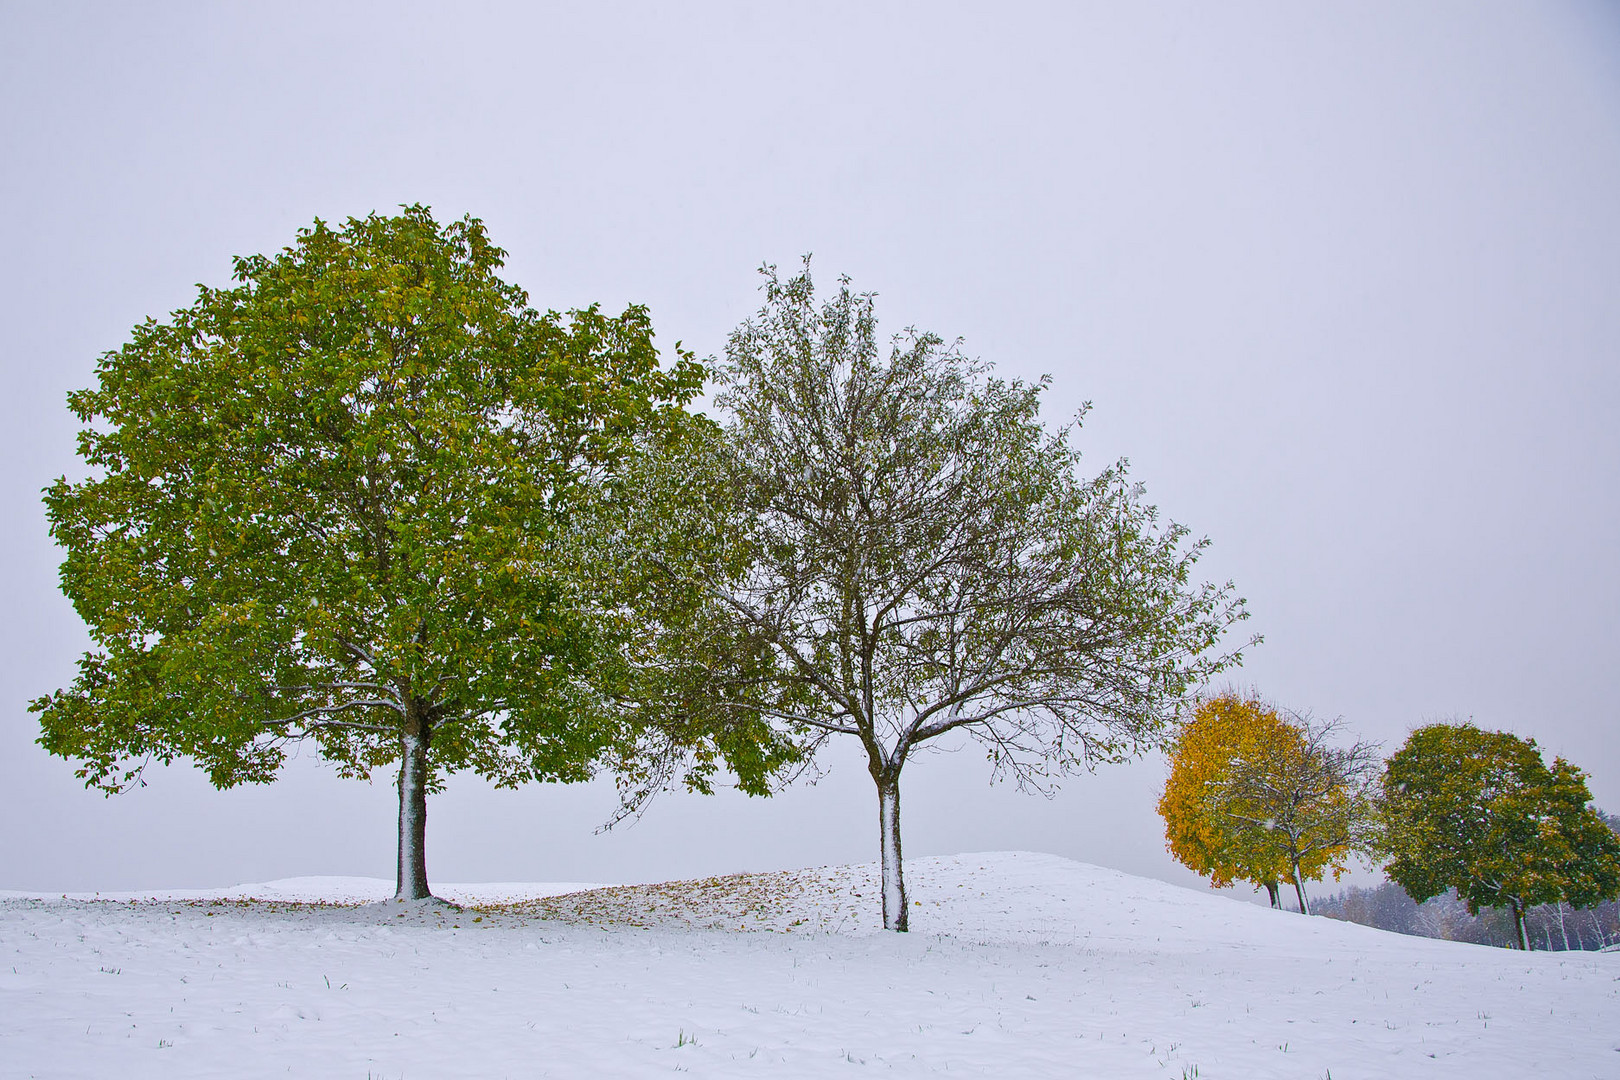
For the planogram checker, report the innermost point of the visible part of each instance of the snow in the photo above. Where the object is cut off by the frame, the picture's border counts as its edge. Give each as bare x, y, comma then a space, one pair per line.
1018, 964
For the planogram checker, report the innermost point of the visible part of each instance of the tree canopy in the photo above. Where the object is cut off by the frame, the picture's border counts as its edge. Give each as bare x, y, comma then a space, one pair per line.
1199, 833
914, 555
1257, 795
361, 498
1481, 812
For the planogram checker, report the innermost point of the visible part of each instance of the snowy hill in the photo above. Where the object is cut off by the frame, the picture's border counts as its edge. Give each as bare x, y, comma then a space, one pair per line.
1018, 965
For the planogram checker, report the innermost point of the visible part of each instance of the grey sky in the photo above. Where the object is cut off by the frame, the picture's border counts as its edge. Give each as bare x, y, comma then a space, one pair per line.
1342, 281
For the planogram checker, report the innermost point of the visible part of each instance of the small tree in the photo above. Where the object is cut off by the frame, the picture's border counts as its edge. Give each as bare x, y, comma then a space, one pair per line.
916, 555
1480, 812
361, 499
1315, 798
1257, 796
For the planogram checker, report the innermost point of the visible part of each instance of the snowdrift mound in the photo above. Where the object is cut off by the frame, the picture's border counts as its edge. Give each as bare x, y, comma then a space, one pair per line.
1004, 897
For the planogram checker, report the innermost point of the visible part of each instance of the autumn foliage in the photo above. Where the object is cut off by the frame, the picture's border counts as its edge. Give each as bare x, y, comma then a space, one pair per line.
1200, 836
1257, 796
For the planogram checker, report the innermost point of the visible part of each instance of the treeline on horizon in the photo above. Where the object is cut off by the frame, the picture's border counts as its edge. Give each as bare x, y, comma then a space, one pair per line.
1552, 927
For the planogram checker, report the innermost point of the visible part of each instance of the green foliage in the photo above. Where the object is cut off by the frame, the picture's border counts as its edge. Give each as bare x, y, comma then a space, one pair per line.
1480, 812
368, 495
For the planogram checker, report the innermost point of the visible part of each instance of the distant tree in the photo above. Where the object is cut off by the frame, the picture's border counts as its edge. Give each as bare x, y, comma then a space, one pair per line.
1389, 907
1385, 906
1611, 820
918, 556
1480, 812
363, 499
1257, 795
1200, 834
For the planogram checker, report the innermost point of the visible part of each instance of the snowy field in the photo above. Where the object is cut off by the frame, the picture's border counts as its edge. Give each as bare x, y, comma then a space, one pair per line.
1018, 965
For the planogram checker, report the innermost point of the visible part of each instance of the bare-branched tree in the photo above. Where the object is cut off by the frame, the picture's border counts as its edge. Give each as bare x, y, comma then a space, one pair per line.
913, 555
1314, 799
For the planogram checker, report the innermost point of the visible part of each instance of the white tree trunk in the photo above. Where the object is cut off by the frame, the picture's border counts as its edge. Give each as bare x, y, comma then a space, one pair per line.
411, 879
1299, 890
894, 883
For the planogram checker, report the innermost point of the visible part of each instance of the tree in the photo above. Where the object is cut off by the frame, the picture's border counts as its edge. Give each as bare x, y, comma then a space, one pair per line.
1480, 812
915, 556
362, 499
1223, 729
1257, 795
1315, 798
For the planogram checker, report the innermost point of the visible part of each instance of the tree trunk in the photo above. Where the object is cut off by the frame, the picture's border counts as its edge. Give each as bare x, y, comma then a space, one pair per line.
411, 879
894, 882
1274, 893
1519, 926
1299, 890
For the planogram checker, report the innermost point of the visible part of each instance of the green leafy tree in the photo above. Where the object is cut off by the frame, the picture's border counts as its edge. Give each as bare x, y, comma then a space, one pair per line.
1480, 812
914, 555
366, 498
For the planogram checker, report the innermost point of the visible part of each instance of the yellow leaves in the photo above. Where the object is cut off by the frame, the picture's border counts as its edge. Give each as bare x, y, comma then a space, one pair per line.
1202, 826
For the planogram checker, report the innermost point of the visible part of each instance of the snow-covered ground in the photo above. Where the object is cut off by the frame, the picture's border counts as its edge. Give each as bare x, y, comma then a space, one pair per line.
1018, 965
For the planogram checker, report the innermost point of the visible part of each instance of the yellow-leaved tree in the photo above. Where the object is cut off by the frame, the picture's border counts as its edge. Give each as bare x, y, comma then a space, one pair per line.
1254, 795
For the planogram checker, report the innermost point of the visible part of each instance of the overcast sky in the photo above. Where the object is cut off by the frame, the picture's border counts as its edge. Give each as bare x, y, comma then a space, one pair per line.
1342, 281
